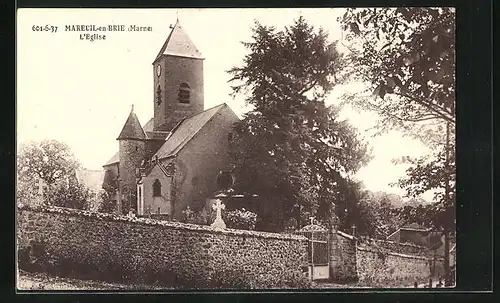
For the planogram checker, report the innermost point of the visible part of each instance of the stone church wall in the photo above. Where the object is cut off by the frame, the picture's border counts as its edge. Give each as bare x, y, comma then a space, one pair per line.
139, 246
206, 154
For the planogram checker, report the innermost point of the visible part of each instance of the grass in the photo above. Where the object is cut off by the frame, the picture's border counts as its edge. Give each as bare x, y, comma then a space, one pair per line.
45, 282
42, 281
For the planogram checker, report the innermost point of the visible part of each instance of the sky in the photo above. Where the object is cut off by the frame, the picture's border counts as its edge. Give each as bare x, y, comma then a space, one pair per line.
81, 92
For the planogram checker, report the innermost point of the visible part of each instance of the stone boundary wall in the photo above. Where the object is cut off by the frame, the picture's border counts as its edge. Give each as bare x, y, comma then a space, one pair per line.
346, 269
191, 252
391, 268
382, 262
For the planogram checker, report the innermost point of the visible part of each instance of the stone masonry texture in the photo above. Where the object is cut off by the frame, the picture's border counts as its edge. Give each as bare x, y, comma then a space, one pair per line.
190, 252
379, 262
177, 70
391, 268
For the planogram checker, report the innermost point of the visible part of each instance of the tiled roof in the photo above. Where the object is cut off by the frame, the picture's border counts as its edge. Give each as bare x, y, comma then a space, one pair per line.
148, 127
179, 44
114, 159
132, 128
185, 131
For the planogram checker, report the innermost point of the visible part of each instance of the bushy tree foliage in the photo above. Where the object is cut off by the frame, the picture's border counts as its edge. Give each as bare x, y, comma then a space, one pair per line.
431, 174
291, 149
71, 195
26, 194
49, 160
54, 163
407, 56
374, 214
107, 200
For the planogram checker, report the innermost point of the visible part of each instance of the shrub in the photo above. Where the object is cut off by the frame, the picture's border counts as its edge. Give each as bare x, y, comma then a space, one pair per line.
241, 219
72, 195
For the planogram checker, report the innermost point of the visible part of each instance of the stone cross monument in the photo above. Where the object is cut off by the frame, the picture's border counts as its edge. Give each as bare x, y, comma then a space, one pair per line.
40, 187
218, 222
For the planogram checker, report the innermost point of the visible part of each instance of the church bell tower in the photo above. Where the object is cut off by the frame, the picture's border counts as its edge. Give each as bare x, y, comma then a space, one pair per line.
178, 80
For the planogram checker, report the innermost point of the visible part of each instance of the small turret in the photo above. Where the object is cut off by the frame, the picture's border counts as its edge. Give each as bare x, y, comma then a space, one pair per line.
132, 128
132, 140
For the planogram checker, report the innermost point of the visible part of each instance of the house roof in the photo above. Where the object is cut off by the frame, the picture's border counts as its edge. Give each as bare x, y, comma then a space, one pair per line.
132, 128
185, 131
148, 127
179, 44
411, 227
151, 133
114, 159
415, 227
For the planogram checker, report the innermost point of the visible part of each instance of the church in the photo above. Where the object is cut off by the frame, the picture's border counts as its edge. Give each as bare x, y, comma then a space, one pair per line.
172, 161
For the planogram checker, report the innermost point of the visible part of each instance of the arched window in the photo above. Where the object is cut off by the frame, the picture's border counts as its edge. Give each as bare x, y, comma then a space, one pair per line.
184, 91
157, 188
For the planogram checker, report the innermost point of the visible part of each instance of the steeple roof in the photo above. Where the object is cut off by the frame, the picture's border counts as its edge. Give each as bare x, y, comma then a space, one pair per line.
132, 128
179, 44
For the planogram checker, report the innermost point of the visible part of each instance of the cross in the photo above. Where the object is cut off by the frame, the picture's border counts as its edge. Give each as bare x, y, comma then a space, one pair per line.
353, 229
312, 220
188, 212
218, 222
41, 185
218, 207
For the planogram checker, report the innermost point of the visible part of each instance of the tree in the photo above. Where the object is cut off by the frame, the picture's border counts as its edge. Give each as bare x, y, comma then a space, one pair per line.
71, 195
49, 160
26, 194
382, 208
107, 201
291, 149
437, 173
406, 56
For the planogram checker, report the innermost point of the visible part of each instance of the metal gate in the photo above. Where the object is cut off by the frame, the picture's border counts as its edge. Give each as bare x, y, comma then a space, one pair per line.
318, 251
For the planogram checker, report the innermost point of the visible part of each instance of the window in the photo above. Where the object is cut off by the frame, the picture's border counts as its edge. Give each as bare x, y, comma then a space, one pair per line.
157, 188
158, 95
184, 91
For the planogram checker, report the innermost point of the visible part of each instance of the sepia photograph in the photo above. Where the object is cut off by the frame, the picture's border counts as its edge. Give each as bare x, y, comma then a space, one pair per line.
235, 149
